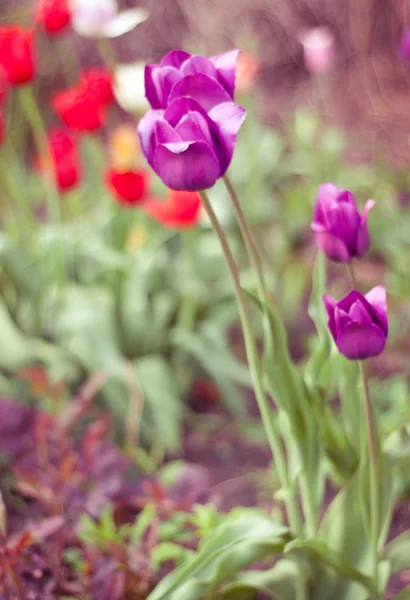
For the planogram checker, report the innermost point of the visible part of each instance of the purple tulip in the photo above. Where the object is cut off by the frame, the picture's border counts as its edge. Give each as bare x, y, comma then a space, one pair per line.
358, 323
404, 46
218, 72
339, 229
190, 144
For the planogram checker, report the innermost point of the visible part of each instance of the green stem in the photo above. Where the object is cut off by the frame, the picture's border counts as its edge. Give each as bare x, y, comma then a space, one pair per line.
256, 372
352, 276
308, 502
372, 443
34, 118
248, 239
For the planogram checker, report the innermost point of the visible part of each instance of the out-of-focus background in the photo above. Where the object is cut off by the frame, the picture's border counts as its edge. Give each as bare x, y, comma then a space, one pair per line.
367, 89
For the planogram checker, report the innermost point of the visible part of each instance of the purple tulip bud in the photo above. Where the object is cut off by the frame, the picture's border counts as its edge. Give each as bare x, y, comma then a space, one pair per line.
160, 79
358, 323
190, 144
339, 229
404, 46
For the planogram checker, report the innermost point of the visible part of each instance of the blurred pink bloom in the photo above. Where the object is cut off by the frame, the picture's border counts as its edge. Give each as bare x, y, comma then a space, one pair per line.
318, 49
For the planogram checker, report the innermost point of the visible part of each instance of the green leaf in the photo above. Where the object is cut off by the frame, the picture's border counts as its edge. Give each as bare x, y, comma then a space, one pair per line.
317, 313
142, 522
342, 530
242, 539
398, 552
280, 582
218, 362
323, 554
15, 351
165, 551
163, 407
19, 266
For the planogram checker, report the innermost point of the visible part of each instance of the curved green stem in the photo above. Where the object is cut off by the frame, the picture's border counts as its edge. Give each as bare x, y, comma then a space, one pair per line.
256, 372
374, 473
308, 502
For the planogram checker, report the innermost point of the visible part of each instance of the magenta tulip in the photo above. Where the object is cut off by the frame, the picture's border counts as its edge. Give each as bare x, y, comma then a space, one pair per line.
339, 229
218, 72
359, 323
187, 146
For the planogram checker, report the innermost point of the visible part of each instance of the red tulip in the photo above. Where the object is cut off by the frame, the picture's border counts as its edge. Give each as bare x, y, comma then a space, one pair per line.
129, 187
64, 157
181, 210
79, 108
53, 15
17, 54
99, 81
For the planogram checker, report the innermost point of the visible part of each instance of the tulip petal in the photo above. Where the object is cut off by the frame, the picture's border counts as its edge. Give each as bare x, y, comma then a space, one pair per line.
175, 58
377, 298
199, 64
205, 90
124, 22
363, 237
342, 319
229, 118
334, 248
359, 314
153, 91
225, 65
165, 134
193, 127
344, 220
357, 342
180, 107
327, 194
186, 166
146, 132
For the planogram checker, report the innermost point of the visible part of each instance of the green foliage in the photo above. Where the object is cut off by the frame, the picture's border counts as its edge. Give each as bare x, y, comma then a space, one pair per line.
246, 536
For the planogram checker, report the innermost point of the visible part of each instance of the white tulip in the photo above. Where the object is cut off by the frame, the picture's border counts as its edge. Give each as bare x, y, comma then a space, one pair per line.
101, 19
129, 88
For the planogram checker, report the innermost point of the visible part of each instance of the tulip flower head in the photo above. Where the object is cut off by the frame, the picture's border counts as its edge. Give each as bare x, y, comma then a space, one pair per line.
80, 108
101, 19
17, 54
129, 88
53, 15
65, 165
181, 210
318, 49
359, 324
129, 186
176, 70
338, 228
404, 46
100, 82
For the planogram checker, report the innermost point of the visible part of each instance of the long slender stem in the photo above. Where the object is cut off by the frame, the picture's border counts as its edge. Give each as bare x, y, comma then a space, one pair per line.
248, 238
373, 470
34, 118
308, 502
352, 276
254, 367
373, 457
